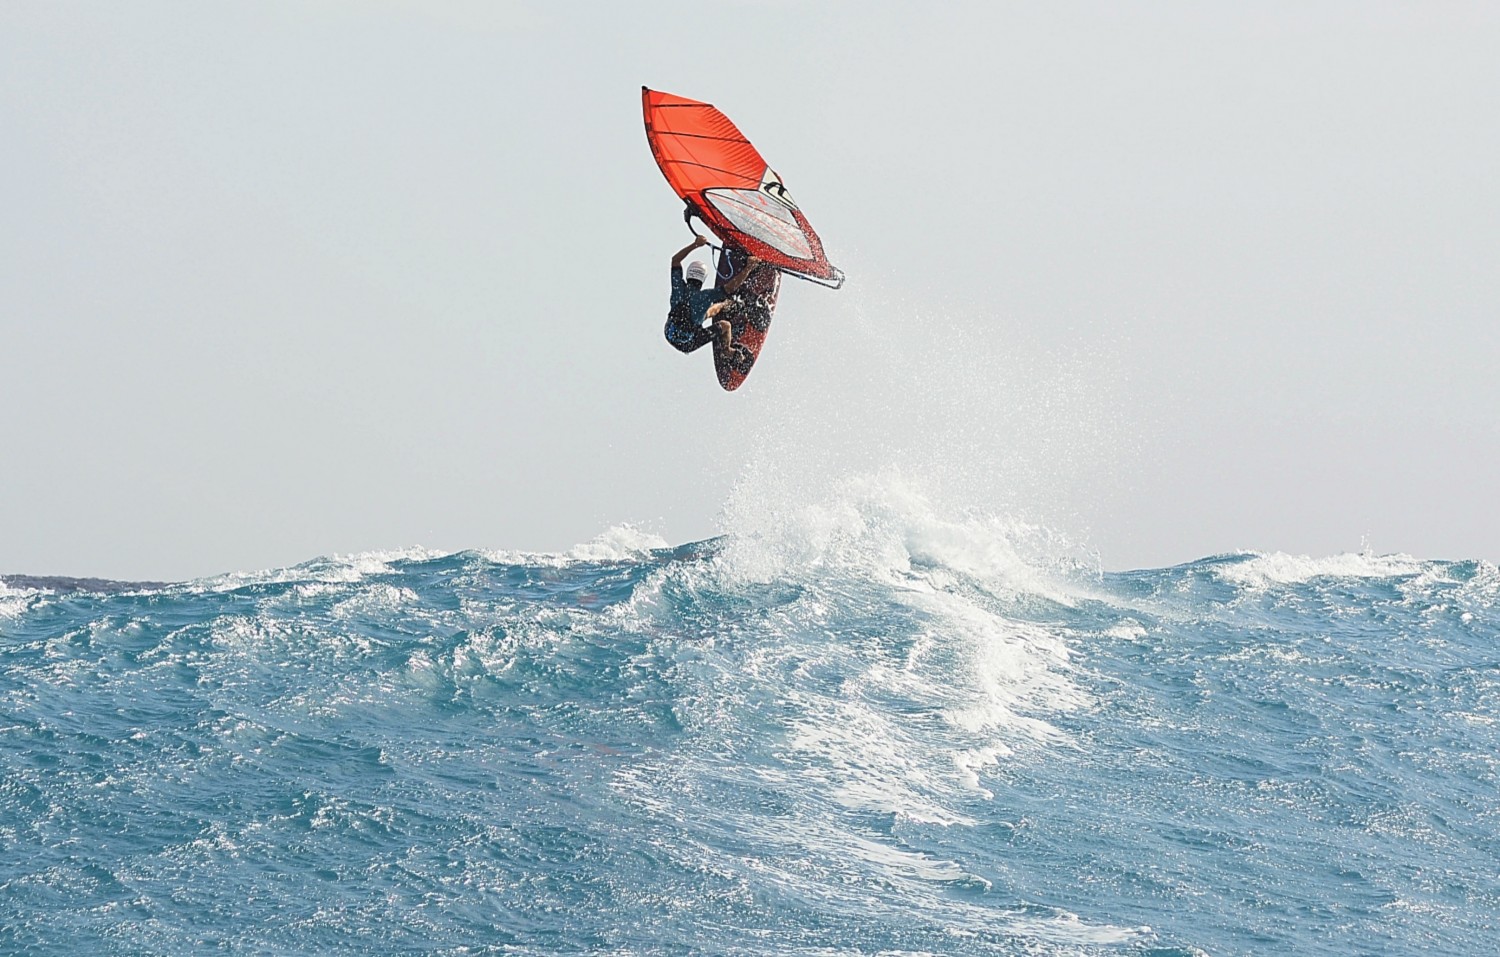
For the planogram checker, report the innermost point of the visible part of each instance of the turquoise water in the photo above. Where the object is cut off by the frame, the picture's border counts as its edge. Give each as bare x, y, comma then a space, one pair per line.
867, 729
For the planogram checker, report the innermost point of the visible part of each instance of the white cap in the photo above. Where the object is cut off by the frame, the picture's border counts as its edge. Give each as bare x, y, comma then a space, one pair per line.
696, 270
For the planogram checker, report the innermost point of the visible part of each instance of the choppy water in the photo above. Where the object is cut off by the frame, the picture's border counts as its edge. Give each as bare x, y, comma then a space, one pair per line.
867, 727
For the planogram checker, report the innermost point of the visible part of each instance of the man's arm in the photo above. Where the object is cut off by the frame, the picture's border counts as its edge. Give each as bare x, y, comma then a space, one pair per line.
739, 277
682, 253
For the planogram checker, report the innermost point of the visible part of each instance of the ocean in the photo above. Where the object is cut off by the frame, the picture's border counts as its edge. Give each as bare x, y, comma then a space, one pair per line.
863, 726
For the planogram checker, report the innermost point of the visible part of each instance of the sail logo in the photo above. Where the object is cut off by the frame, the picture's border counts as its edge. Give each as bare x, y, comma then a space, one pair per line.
771, 185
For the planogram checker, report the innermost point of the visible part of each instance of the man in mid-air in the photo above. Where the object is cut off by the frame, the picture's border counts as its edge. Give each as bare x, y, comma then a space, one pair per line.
692, 305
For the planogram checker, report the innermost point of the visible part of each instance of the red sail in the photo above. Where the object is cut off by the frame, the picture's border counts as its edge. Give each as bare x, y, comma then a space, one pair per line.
728, 186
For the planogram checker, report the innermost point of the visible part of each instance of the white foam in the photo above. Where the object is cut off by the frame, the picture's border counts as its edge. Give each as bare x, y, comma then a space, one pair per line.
1278, 568
331, 569
886, 525
901, 863
1126, 631
957, 686
1480, 593
15, 601
619, 543
971, 761
1067, 927
1006, 669
375, 601
865, 762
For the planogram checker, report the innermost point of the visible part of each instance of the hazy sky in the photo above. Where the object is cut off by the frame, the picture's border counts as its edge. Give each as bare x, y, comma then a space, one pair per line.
1174, 279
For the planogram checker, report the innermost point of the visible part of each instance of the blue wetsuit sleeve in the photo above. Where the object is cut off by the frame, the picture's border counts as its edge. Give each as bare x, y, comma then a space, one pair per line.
679, 286
700, 301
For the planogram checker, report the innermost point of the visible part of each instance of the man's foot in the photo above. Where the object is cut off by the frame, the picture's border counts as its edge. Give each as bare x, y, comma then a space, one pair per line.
739, 358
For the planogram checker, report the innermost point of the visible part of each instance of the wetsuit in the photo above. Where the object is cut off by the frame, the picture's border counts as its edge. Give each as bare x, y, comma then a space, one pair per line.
687, 313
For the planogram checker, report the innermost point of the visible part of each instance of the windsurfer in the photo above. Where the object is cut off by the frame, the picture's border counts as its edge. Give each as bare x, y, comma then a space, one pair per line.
692, 305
